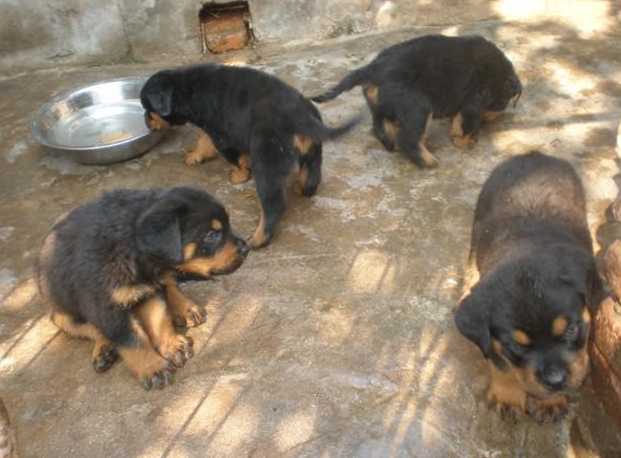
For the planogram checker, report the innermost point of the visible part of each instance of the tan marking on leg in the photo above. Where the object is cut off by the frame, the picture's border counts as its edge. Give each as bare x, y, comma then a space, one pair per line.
204, 150
184, 311
429, 159
157, 323
456, 126
391, 129
189, 250
301, 179
242, 173
259, 238
68, 324
505, 391
372, 93
156, 122
559, 325
457, 133
302, 143
490, 115
224, 259
129, 295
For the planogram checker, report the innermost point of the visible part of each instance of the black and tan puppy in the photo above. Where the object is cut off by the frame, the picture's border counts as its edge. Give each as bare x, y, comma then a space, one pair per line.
109, 272
465, 78
255, 121
532, 286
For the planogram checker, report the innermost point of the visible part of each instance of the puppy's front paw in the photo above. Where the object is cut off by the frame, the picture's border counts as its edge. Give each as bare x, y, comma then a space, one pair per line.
178, 350
193, 157
239, 175
508, 404
193, 316
465, 141
548, 410
158, 375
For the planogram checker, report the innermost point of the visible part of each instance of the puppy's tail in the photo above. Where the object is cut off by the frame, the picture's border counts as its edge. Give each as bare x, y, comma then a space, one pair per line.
319, 132
352, 80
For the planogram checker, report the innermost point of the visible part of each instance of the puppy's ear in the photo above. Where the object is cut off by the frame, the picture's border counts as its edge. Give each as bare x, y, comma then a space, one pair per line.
161, 102
159, 93
584, 278
158, 233
473, 321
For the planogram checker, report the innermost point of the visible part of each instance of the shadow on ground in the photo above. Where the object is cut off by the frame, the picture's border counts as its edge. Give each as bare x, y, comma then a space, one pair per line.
337, 340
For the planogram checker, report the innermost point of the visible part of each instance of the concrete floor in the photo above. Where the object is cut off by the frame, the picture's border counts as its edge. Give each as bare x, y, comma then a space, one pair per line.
337, 340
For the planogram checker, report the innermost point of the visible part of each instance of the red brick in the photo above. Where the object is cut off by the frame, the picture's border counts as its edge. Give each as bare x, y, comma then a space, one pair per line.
226, 33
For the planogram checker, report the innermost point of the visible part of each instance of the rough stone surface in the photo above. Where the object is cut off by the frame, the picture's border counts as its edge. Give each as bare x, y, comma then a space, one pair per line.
337, 340
606, 356
47, 33
612, 267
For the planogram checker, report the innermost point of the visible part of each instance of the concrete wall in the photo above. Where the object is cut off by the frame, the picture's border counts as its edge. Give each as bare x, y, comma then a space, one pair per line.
44, 33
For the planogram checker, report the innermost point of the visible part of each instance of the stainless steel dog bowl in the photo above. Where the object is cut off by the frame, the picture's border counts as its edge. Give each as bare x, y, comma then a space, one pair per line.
98, 124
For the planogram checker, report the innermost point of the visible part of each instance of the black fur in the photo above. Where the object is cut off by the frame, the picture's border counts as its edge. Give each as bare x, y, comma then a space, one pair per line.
532, 248
437, 75
246, 111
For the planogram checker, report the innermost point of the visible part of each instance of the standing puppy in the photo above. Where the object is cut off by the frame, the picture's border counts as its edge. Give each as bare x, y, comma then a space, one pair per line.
257, 122
465, 78
109, 270
533, 285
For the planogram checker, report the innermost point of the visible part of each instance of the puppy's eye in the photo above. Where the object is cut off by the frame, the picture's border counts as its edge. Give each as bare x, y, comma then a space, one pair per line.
212, 237
571, 333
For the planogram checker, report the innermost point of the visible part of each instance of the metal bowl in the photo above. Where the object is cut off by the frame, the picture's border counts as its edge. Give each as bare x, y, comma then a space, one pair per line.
97, 124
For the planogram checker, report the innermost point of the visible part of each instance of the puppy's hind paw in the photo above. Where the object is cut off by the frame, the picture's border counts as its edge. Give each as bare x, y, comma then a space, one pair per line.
105, 358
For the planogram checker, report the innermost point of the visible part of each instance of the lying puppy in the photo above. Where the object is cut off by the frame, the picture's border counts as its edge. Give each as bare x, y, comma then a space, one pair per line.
109, 271
465, 78
254, 120
533, 285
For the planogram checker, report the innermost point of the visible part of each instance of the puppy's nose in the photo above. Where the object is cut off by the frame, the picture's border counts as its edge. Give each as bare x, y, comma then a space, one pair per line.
554, 378
242, 247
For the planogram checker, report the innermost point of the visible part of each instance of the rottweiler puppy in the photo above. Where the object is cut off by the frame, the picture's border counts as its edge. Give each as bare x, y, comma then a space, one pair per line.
532, 285
465, 78
109, 271
255, 121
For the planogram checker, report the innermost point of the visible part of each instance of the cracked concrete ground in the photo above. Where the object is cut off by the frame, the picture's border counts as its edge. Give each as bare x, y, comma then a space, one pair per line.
337, 340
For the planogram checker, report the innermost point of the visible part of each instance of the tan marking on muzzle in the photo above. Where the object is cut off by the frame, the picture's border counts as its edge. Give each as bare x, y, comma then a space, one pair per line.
204, 266
156, 122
